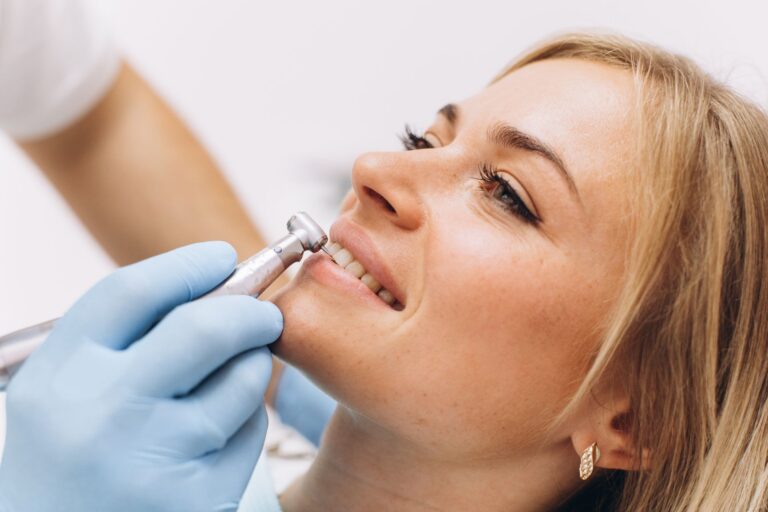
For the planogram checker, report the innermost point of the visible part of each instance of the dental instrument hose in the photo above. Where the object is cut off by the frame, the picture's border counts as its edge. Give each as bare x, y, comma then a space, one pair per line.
251, 277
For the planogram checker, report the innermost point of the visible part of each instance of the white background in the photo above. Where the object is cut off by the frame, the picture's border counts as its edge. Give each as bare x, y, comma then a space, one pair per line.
286, 94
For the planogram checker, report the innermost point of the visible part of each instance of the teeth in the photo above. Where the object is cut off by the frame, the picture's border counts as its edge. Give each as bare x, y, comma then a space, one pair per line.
386, 296
333, 248
356, 269
371, 283
344, 259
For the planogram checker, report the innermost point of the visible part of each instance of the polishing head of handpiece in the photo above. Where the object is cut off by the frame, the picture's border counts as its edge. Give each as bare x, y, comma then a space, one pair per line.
312, 236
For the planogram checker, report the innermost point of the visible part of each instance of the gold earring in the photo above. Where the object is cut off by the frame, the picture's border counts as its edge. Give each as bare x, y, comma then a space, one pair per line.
589, 458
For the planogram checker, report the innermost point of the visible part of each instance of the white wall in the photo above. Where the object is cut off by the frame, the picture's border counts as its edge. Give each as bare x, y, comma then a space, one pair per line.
286, 94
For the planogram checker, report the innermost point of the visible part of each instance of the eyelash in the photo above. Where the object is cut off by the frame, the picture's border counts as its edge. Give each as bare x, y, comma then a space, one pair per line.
411, 140
490, 178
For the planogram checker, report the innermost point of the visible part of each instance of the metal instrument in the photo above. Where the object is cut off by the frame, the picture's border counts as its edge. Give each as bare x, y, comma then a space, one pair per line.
251, 277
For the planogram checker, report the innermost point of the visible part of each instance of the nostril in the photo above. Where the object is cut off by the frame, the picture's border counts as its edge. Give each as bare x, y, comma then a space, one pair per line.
379, 199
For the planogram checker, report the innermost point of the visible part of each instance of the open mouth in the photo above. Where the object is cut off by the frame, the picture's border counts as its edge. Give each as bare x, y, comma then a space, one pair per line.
343, 258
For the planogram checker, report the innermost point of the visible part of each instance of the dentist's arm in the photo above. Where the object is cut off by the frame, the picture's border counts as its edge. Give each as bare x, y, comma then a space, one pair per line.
139, 180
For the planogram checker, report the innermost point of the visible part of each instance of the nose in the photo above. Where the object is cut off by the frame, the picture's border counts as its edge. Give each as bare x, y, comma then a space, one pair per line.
385, 185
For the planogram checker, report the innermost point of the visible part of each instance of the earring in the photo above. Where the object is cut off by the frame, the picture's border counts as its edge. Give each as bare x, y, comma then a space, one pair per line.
589, 458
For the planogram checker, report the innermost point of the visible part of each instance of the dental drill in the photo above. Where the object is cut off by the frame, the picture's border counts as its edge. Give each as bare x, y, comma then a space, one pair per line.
251, 277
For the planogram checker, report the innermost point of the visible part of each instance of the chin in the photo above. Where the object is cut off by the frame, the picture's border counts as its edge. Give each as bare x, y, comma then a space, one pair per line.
335, 341
302, 341
313, 340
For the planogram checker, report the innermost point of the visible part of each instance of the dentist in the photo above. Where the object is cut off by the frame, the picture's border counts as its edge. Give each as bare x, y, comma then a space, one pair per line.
138, 400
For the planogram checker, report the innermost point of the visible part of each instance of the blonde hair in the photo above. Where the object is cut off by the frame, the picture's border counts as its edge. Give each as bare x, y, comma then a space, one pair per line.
690, 331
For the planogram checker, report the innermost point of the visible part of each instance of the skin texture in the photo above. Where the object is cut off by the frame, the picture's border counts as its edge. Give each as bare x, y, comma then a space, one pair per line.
450, 403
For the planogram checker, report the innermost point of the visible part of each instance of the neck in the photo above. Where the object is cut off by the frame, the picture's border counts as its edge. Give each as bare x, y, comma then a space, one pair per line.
361, 467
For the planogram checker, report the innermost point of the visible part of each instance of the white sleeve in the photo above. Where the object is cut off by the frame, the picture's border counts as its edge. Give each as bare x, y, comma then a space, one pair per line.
57, 59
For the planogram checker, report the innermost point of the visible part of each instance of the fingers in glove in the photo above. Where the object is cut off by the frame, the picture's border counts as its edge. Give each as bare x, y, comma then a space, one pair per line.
196, 339
227, 399
124, 305
239, 457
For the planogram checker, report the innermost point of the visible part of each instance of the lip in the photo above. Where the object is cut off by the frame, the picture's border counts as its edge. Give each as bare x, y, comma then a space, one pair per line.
323, 269
354, 239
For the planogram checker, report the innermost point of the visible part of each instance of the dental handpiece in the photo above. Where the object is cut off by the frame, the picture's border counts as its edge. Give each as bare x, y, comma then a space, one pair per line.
251, 277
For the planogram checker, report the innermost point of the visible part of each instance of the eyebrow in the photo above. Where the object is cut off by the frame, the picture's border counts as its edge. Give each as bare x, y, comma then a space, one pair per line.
511, 137
450, 112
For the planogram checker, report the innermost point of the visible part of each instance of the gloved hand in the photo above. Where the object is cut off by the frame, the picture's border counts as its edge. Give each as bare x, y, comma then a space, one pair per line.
303, 405
117, 412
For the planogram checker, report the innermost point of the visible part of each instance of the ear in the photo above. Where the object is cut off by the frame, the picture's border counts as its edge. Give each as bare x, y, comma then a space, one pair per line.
607, 422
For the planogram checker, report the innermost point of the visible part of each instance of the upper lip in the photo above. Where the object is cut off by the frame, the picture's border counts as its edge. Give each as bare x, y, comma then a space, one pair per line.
354, 239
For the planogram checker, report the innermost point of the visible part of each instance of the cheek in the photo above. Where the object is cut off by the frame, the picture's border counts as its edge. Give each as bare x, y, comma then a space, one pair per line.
516, 292
498, 343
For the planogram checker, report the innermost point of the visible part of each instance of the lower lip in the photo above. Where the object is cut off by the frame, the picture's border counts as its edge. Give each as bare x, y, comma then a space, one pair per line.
321, 268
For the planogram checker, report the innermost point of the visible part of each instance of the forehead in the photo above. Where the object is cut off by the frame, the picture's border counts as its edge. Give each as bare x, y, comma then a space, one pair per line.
582, 109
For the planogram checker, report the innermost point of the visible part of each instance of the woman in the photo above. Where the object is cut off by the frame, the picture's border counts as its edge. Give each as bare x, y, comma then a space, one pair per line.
574, 265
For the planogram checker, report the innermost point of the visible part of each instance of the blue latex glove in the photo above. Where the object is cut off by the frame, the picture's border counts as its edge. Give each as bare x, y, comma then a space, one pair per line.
117, 412
302, 405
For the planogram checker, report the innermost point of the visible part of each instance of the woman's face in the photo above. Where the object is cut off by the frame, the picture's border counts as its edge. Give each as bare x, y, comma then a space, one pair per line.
502, 234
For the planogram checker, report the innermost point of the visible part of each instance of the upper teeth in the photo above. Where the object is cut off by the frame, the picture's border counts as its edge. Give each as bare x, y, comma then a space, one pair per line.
344, 259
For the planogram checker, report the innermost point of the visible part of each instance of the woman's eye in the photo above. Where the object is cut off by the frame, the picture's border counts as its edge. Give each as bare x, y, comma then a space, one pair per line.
500, 190
412, 140
493, 183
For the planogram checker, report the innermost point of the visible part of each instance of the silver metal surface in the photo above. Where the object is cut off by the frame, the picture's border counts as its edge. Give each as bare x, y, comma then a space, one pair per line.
255, 274
18, 345
251, 277
308, 231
